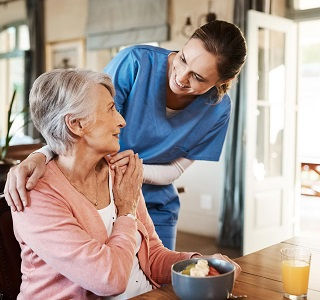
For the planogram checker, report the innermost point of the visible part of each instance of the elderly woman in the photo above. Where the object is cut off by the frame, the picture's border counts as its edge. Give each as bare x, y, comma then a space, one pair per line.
87, 232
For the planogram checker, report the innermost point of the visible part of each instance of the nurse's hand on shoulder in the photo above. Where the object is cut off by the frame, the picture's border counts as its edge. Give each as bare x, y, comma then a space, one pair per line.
15, 190
120, 159
127, 186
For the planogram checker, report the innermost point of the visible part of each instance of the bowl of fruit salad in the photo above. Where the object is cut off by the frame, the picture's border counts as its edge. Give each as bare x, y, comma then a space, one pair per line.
202, 278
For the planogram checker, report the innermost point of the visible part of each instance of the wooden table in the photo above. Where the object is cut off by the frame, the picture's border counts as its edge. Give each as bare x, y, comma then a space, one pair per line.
260, 278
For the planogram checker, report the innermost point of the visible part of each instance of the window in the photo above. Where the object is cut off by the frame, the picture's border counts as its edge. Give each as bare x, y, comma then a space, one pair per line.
309, 77
309, 106
307, 15
14, 42
306, 4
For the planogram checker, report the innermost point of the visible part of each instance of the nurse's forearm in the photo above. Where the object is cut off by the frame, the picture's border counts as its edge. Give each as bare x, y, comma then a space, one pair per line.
47, 152
167, 173
152, 174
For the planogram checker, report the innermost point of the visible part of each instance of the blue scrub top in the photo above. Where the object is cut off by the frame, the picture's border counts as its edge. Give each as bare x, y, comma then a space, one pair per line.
139, 74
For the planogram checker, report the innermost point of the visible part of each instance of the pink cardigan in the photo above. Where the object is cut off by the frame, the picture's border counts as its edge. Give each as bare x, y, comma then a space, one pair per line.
67, 253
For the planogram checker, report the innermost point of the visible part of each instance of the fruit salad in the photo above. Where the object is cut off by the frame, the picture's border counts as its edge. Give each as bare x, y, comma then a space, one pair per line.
200, 269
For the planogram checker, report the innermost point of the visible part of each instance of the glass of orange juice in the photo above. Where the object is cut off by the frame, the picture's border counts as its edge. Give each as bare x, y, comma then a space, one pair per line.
295, 267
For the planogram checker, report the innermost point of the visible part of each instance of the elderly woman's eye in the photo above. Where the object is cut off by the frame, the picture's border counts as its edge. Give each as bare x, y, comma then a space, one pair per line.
182, 59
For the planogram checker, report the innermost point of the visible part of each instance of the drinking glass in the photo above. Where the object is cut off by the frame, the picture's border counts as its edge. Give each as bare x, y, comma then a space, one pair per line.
295, 266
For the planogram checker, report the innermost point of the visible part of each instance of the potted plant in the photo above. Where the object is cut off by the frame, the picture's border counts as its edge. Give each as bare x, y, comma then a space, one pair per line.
5, 162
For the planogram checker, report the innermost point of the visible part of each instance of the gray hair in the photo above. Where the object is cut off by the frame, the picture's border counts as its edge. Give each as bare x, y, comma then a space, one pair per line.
58, 93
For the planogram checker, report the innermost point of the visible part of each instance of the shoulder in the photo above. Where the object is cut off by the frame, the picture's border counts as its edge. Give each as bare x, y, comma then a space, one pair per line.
140, 51
53, 185
128, 62
226, 98
50, 198
218, 110
51, 176
226, 102
223, 107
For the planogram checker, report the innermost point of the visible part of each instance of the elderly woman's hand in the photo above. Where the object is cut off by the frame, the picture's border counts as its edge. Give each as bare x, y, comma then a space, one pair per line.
120, 159
127, 186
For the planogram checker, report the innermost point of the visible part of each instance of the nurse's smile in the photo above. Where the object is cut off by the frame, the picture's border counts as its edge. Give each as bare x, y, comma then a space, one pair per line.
179, 84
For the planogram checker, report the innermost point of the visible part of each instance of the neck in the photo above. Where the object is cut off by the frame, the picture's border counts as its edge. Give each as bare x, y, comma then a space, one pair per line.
177, 102
87, 172
79, 165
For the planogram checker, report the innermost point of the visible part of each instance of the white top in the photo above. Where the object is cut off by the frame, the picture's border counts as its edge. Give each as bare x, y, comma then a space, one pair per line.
138, 282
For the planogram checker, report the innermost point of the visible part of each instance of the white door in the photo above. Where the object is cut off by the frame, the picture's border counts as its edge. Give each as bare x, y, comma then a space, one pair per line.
270, 131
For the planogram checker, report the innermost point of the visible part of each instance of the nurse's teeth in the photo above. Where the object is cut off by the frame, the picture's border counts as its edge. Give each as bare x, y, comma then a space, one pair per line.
179, 84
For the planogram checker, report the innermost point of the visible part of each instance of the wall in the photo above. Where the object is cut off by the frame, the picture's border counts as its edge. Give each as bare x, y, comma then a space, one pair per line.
65, 19
12, 12
201, 201
180, 9
278, 8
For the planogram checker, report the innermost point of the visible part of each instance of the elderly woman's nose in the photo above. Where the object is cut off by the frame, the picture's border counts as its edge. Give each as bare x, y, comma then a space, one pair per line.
122, 122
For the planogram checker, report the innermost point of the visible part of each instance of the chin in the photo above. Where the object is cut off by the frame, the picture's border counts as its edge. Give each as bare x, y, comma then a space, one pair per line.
111, 149
116, 149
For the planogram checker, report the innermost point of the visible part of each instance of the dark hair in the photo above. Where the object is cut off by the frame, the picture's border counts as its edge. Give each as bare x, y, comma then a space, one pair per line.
225, 41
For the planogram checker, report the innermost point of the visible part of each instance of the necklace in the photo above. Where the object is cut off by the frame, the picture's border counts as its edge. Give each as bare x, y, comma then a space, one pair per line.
95, 203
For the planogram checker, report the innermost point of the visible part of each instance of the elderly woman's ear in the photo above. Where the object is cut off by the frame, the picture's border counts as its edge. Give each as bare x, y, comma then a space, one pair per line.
76, 126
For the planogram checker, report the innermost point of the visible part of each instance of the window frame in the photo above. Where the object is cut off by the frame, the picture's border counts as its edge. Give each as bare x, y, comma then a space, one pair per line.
17, 53
299, 15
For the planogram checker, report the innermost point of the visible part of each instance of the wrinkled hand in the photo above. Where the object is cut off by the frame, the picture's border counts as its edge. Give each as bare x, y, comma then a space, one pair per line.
127, 186
17, 183
226, 258
120, 159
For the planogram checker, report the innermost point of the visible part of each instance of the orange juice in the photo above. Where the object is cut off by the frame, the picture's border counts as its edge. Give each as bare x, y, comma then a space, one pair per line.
295, 276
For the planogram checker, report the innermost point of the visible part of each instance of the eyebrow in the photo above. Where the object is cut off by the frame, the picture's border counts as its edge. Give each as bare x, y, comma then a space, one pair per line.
204, 79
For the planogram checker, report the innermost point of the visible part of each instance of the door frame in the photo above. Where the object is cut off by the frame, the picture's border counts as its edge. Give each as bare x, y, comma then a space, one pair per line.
256, 20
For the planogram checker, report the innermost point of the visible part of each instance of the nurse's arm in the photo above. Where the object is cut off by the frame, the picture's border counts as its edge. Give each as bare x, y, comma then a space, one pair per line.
165, 173
162, 174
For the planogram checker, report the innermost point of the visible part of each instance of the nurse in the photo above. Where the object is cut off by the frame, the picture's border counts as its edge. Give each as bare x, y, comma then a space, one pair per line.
176, 109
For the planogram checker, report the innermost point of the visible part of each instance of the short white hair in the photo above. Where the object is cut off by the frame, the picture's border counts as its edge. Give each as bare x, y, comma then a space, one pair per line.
58, 93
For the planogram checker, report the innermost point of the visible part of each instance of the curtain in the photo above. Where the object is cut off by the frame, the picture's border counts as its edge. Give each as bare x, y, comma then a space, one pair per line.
231, 219
115, 23
35, 57
35, 21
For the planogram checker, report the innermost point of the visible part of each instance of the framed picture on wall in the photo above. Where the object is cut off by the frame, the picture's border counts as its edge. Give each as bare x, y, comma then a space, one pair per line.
65, 54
